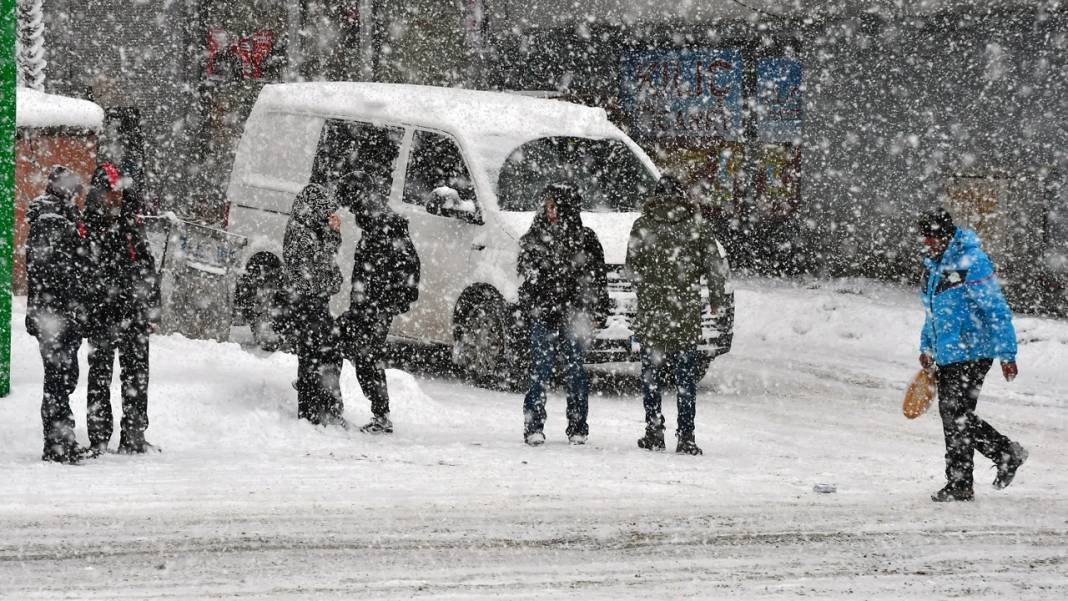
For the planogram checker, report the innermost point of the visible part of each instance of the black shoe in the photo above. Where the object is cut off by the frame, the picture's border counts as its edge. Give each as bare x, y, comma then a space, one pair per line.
687, 446
1010, 462
653, 440
577, 435
141, 448
953, 492
98, 448
68, 453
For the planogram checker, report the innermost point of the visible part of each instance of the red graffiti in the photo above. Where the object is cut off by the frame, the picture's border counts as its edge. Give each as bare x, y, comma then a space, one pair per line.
217, 43
244, 56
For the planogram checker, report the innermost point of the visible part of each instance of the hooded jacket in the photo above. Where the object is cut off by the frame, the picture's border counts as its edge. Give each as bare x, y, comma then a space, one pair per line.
122, 284
562, 268
55, 261
309, 248
672, 246
967, 317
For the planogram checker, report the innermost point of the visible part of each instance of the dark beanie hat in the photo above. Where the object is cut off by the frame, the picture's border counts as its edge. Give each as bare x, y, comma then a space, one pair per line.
63, 182
936, 223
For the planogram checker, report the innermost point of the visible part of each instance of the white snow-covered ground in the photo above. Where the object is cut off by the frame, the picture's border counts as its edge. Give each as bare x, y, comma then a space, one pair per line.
245, 502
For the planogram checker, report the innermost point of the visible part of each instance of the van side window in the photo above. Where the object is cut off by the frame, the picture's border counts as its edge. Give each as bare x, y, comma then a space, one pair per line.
435, 161
347, 146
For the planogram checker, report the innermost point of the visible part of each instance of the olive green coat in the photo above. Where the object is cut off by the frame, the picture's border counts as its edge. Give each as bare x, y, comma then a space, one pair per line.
671, 247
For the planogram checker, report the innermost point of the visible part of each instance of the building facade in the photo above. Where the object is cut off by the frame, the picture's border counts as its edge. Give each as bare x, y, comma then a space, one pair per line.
898, 107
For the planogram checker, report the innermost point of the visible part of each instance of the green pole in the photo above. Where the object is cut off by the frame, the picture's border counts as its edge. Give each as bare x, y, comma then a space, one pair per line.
7, 184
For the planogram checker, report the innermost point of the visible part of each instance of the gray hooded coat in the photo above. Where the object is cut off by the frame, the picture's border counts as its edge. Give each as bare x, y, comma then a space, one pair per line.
309, 248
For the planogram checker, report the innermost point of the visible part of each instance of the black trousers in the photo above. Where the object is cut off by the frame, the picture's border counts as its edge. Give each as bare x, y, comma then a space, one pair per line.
958, 391
130, 340
59, 341
365, 346
318, 362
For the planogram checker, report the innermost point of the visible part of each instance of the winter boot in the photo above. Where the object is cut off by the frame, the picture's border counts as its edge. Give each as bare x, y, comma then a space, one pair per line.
653, 439
1010, 462
135, 444
534, 439
379, 424
98, 448
65, 452
328, 418
577, 439
687, 446
953, 492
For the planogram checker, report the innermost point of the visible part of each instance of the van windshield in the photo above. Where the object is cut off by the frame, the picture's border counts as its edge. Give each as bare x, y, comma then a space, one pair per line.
608, 175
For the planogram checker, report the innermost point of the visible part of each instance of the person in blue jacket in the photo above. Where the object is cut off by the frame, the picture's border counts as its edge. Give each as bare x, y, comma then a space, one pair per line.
968, 324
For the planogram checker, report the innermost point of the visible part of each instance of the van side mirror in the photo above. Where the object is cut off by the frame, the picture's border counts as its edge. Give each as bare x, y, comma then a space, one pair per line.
446, 202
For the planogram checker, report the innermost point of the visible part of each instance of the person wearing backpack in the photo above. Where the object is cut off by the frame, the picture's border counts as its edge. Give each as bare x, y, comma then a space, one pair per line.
311, 277
55, 306
385, 282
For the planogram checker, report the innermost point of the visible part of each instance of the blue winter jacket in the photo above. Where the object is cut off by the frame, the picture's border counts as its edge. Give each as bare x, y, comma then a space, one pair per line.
967, 316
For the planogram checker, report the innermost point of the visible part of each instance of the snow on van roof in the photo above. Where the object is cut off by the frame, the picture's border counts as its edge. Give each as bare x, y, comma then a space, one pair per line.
38, 109
455, 110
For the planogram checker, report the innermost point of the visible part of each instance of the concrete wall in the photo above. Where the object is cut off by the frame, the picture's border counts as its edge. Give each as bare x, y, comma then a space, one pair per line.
894, 110
134, 54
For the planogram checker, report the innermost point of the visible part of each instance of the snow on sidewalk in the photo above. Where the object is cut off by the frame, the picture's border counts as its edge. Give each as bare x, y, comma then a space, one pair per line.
247, 501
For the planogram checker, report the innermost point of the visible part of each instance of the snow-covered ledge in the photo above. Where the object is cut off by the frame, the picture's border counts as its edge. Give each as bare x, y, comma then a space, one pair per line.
38, 110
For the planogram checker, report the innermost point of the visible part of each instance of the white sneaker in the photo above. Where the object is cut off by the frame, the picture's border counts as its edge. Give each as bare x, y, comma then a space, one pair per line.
534, 439
577, 439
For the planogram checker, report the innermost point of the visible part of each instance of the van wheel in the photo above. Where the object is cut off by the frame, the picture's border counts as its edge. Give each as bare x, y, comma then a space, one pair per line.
486, 346
254, 297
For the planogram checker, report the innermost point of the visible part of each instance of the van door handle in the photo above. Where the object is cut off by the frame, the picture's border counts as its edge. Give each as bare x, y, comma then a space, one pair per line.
477, 246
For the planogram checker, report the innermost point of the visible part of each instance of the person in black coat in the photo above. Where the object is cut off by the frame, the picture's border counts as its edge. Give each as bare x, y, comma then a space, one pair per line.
312, 276
123, 294
55, 306
564, 297
385, 282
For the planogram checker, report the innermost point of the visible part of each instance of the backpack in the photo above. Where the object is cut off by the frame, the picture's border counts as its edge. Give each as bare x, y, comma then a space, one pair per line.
404, 284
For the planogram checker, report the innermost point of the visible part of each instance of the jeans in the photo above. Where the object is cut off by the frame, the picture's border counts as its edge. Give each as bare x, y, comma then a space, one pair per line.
958, 391
545, 341
685, 363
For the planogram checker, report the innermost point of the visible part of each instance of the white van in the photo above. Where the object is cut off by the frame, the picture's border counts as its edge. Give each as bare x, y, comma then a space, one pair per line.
468, 171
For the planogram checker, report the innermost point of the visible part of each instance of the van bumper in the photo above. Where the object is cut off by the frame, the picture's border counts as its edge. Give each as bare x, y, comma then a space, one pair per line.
717, 338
